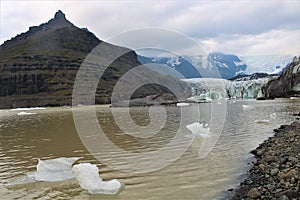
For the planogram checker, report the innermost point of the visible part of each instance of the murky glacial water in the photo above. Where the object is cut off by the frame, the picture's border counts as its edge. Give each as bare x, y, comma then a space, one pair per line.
51, 133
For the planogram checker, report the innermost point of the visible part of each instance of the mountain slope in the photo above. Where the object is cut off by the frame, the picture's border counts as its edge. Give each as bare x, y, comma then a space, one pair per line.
38, 68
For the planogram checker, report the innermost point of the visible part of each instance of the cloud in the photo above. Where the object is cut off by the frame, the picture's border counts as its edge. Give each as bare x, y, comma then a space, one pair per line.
243, 26
271, 42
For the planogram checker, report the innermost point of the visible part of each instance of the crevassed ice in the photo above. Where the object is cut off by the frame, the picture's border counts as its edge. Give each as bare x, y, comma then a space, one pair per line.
215, 89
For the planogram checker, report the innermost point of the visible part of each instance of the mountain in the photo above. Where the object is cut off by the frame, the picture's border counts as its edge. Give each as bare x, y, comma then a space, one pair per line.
228, 65
248, 77
287, 84
271, 64
180, 64
220, 65
39, 67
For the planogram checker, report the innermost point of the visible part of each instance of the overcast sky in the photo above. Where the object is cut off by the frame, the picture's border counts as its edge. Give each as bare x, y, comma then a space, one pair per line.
234, 26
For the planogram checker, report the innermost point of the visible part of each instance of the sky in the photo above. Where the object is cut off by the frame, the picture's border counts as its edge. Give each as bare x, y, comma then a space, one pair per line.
240, 27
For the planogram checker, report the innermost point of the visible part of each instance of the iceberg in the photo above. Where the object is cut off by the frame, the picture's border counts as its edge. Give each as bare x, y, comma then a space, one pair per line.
88, 177
58, 169
199, 130
25, 113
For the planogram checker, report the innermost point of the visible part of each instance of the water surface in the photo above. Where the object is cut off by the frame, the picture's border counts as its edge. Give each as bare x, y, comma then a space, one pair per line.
51, 133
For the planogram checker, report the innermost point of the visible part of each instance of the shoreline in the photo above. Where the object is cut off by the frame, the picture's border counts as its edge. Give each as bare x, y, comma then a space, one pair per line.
275, 173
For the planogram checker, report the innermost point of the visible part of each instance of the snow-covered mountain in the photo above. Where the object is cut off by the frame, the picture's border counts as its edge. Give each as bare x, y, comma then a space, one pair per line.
271, 64
216, 65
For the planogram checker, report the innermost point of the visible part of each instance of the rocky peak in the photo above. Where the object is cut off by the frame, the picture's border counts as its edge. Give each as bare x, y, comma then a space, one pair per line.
59, 15
59, 21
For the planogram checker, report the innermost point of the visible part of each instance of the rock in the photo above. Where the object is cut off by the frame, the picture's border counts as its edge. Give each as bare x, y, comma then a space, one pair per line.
295, 124
288, 175
261, 166
268, 158
253, 193
283, 197
293, 159
274, 172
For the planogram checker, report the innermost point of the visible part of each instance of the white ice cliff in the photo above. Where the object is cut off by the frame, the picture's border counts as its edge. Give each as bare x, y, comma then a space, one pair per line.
215, 89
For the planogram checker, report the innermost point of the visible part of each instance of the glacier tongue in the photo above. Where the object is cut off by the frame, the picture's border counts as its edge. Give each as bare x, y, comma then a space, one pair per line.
216, 89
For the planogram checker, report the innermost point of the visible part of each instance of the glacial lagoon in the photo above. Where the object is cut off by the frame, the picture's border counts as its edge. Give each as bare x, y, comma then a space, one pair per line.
50, 133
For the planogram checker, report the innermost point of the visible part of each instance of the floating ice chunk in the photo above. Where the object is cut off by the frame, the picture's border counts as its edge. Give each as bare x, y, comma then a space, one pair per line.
247, 107
24, 109
294, 97
273, 115
88, 177
25, 113
182, 104
262, 121
58, 169
199, 130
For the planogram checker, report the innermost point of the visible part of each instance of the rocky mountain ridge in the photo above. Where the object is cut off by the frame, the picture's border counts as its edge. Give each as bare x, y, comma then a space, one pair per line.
287, 84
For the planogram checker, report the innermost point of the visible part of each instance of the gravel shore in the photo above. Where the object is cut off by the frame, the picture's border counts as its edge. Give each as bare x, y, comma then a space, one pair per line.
275, 173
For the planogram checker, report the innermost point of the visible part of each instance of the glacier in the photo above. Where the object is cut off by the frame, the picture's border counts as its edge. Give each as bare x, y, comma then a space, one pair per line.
271, 64
208, 89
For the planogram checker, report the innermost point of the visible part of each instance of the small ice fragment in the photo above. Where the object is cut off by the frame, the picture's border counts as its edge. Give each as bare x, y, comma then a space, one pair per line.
294, 97
25, 113
247, 106
88, 177
25, 109
182, 104
263, 121
199, 130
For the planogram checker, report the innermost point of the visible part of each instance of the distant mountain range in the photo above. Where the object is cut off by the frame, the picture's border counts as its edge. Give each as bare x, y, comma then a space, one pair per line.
226, 66
219, 65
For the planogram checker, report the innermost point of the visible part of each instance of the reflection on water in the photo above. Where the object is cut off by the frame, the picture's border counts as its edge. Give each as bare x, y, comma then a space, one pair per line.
51, 134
